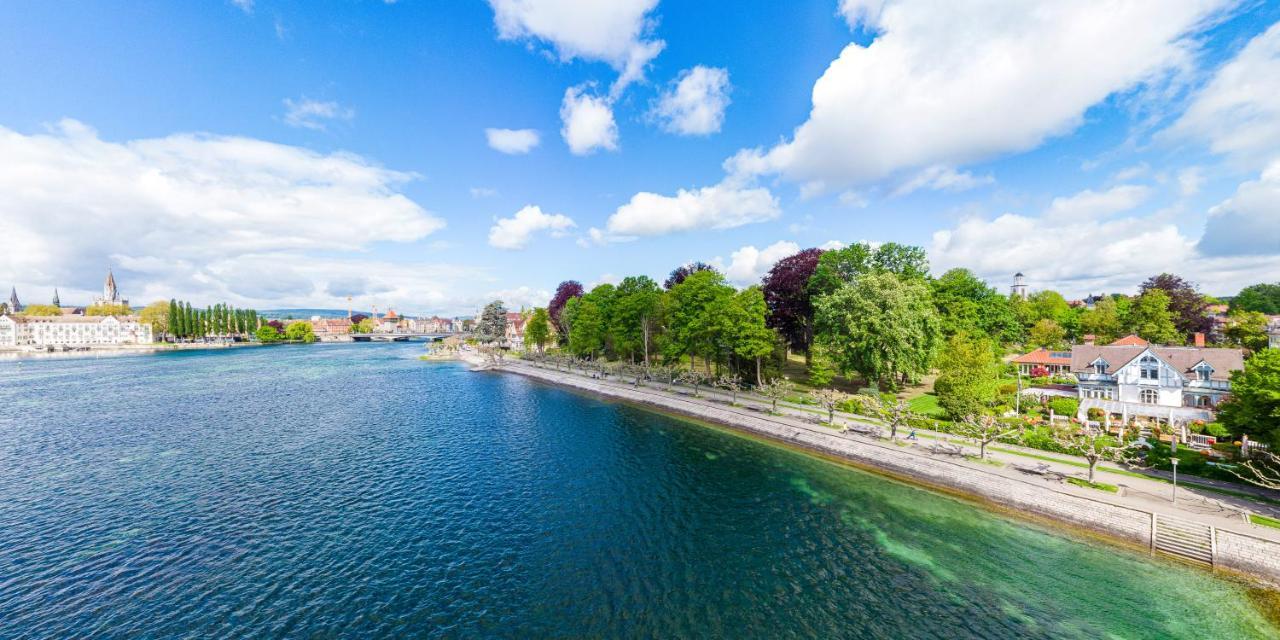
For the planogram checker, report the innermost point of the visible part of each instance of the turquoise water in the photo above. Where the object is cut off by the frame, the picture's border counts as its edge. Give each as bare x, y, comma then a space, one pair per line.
354, 491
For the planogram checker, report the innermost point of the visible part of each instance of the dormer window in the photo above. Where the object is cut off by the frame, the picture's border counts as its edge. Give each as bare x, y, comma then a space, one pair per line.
1204, 371
1149, 368
1100, 366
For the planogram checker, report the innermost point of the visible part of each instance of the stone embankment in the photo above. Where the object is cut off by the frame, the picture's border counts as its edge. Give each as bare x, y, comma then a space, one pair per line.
1219, 544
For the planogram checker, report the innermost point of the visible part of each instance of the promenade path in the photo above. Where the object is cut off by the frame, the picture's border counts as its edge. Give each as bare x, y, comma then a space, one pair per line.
1148, 493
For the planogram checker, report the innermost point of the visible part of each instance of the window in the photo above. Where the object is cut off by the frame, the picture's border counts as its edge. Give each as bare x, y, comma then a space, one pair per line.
1150, 368
1203, 401
1204, 371
1150, 396
1100, 366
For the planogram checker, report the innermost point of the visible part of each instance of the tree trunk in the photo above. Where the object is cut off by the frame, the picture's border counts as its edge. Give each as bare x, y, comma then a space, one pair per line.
1093, 464
646, 345
759, 380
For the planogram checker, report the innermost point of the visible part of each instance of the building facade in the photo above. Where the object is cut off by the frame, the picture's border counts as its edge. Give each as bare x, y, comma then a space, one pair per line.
1052, 362
72, 331
1176, 384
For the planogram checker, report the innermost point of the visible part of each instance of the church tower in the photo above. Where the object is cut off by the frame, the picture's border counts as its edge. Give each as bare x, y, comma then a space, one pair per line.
56, 301
14, 305
1019, 288
110, 294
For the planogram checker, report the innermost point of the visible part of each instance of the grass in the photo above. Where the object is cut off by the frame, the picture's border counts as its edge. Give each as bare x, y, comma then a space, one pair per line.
1264, 521
1100, 486
927, 405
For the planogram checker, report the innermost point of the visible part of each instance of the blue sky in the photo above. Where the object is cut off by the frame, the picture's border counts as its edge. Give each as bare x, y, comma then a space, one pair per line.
292, 153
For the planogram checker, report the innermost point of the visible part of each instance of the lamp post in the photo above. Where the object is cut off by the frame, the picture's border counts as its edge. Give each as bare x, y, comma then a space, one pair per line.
1174, 462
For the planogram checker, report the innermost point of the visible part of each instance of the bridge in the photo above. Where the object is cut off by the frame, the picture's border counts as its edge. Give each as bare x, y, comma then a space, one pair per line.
399, 337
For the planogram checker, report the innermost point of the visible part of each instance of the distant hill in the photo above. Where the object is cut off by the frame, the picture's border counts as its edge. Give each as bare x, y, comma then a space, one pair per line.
305, 314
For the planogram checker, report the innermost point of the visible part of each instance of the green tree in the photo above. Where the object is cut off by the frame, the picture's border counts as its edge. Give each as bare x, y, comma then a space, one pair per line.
1150, 318
1048, 305
156, 314
966, 304
492, 327
1262, 298
1253, 408
41, 310
968, 371
537, 330
267, 334
300, 331
691, 315
743, 327
590, 327
1248, 329
882, 326
636, 317
1103, 321
1047, 333
842, 266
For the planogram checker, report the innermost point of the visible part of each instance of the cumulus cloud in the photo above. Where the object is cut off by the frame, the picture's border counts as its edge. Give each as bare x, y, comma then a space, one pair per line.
588, 122
945, 84
179, 214
695, 102
1190, 180
1248, 223
615, 32
748, 264
722, 206
515, 299
314, 114
516, 231
1077, 245
512, 141
940, 178
1238, 113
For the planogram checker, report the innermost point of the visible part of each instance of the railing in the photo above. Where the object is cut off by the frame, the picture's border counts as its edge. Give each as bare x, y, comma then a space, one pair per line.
1095, 377
1217, 385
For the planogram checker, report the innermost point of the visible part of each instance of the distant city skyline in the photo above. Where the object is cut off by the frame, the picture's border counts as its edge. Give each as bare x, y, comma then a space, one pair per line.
433, 156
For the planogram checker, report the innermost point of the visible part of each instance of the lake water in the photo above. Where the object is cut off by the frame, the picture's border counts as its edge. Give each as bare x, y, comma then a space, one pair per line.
354, 491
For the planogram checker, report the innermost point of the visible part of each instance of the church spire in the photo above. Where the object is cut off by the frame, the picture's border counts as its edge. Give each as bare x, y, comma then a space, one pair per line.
110, 294
56, 301
14, 305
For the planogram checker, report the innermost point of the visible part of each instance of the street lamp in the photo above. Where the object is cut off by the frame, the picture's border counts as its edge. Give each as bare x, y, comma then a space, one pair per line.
1174, 462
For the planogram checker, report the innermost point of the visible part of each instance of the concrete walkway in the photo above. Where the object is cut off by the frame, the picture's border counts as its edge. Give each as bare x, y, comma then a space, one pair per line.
1145, 494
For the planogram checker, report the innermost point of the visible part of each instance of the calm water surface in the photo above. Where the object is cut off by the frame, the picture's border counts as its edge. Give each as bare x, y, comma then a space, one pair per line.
354, 491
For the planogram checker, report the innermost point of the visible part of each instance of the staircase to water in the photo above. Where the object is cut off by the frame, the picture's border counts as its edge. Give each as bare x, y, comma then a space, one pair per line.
1183, 539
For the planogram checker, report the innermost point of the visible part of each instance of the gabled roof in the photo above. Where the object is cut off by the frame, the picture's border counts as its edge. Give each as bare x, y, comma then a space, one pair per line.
1045, 356
1129, 341
1182, 359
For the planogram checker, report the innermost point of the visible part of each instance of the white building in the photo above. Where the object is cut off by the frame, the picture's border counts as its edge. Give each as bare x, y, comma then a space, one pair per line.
1273, 332
72, 331
1019, 288
1173, 384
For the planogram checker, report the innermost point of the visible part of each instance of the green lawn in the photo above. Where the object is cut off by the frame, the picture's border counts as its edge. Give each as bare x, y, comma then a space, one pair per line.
1101, 486
1264, 521
927, 405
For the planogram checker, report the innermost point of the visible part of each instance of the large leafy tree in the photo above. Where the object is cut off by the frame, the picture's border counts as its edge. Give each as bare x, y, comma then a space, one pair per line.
1103, 321
1262, 298
537, 331
743, 327
589, 321
882, 326
684, 271
692, 321
636, 317
156, 314
41, 310
566, 291
1047, 333
1185, 303
790, 305
840, 266
966, 304
1152, 320
1248, 329
1047, 305
968, 370
1254, 406
493, 323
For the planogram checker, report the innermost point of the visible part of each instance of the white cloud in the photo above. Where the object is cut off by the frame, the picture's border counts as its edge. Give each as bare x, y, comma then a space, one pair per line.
515, 232
516, 299
1248, 223
853, 199
512, 141
832, 245
1096, 204
949, 84
244, 5
1190, 180
178, 213
483, 192
940, 178
694, 105
748, 264
1238, 112
1076, 248
314, 114
722, 206
615, 32
1132, 172
587, 122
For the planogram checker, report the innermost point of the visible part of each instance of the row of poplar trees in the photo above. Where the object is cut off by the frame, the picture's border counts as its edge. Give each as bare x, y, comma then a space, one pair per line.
186, 322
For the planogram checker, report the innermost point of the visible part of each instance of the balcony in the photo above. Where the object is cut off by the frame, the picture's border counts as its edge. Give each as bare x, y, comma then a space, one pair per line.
1209, 385
1095, 377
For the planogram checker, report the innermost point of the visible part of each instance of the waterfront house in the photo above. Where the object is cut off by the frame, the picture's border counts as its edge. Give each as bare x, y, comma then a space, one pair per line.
515, 329
1043, 362
1171, 384
72, 331
331, 329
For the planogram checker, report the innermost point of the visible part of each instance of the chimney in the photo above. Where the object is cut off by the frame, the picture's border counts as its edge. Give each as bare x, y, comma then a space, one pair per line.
1199, 339
1089, 339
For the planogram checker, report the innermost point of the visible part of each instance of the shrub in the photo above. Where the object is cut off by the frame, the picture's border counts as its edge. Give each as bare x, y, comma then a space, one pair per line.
1039, 381
1096, 413
871, 391
1217, 430
1008, 389
1065, 406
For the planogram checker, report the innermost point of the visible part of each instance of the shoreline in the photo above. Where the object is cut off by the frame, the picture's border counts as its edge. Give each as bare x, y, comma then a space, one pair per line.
121, 350
1235, 550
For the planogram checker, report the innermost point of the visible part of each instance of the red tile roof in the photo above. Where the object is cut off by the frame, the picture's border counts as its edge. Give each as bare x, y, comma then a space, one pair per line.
1129, 341
1046, 357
